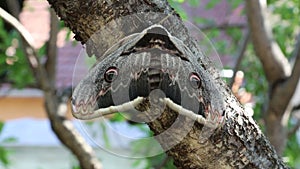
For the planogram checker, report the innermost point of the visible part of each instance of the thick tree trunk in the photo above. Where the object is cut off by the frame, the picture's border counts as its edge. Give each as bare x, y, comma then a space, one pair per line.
236, 143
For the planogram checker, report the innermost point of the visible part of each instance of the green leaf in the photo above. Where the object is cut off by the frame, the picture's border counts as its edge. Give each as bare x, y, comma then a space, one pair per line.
17, 71
234, 4
292, 152
194, 3
4, 160
76, 167
213, 34
180, 1
9, 140
1, 126
42, 51
203, 21
211, 4
117, 118
105, 135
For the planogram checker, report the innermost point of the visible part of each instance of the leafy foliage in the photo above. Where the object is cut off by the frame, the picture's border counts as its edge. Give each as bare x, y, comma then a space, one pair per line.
255, 81
285, 17
4, 160
292, 152
14, 69
13, 64
285, 21
211, 4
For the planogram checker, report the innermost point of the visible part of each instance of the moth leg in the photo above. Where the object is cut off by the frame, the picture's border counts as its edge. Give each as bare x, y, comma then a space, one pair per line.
185, 112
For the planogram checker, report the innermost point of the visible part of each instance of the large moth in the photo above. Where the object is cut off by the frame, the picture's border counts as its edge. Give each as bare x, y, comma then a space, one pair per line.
143, 63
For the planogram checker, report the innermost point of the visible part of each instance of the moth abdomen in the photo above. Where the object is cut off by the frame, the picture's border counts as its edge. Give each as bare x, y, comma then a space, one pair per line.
155, 71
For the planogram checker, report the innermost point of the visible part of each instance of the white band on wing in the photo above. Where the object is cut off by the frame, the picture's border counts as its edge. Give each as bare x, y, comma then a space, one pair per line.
113, 109
185, 112
132, 104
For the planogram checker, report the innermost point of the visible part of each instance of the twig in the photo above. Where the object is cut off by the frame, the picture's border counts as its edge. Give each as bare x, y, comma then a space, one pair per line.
34, 62
62, 127
275, 64
294, 78
16, 24
289, 87
284, 92
240, 55
52, 48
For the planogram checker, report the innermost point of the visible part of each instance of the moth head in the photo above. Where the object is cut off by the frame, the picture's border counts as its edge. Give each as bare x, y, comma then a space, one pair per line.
94, 87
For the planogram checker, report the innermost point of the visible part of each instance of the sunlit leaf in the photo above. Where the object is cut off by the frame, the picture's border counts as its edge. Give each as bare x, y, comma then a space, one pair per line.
212, 3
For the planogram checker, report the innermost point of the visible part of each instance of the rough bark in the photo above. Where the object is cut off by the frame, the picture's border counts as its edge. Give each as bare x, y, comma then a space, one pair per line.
237, 143
86, 17
281, 78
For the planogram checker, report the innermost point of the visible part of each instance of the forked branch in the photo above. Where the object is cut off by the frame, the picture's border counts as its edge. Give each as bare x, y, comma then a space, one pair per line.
63, 128
237, 143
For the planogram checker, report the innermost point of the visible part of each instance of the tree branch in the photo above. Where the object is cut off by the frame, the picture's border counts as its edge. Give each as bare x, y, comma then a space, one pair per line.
38, 70
287, 89
296, 112
236, 143
240, 55
274, 62
83, 30
14, 7
18, 26
62, 127
56, 109
282, 79
293, 80
52, 49
284, 91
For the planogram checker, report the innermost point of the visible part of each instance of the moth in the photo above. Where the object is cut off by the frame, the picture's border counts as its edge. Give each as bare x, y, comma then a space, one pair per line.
144, 62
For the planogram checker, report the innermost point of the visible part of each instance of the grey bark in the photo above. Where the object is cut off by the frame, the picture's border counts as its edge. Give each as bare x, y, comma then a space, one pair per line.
237, 143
